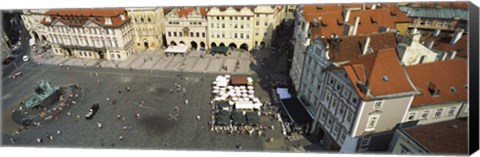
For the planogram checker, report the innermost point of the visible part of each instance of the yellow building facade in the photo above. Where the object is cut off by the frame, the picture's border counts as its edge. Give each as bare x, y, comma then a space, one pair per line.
147, 27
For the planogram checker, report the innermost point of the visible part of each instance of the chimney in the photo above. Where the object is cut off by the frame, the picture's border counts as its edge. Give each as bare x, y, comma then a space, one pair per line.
347, 15
430, 44
355, 26
366, 45
444, 56
454, 53
458, 34
363, 6
374, 6
437, 32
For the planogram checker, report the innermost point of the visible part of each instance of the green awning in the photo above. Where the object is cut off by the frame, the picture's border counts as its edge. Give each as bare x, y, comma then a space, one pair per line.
219, 49
222, 118
238, 118
222, 104
253, 118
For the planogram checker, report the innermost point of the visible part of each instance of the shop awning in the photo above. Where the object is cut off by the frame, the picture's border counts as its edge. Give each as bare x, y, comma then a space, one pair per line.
219, 49
252, 118
238, 118
177, 49
296, 111
239, 80
283, 93
222, 118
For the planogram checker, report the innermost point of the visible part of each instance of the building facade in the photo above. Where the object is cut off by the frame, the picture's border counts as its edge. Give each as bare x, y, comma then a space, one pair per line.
31, 19
188, 26
267, 18
428, 20
147, 27
231, 27
324, 21
89, 33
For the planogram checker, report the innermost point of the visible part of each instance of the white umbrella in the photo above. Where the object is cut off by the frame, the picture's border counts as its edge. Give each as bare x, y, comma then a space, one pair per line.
215, 91
242, 87
216, 87
251, 96
250, 87
231, 103
234, 98
230, 87
251, 91
244, 91
245, 99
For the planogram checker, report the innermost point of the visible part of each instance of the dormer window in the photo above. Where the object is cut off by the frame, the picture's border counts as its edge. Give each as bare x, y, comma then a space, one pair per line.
385, 78
48, 19
433, 89
108, 21
122, 16
453, 89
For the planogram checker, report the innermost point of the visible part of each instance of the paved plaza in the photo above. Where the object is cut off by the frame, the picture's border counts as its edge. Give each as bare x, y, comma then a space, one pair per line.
158, 60
159, 125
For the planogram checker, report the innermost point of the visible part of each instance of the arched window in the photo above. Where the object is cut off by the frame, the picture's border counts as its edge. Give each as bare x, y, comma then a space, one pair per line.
141, 19
149, 19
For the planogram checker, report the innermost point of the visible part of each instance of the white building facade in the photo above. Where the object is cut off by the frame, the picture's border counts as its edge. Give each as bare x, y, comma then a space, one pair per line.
89, 33
31, 19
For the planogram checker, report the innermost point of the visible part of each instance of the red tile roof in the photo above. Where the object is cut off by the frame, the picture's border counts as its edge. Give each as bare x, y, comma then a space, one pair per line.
449, 137
351, 47
185, 11
78, 17
445, 75
331, 18
442, 43
373, 68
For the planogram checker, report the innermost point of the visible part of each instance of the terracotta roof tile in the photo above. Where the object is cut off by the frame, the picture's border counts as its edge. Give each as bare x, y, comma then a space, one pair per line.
449, 137
331, 17
445, 75
378, 66
442, 43
350, 47
79, 17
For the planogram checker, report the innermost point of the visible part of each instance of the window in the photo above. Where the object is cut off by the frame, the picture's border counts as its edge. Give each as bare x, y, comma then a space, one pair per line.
411, 116
404, 150
334, 105
447, 24
235, 26
372, 122
331, 81
328, 95
425, 114
377, 104
198, 34
429, 23
236, 18
365, 141
452, 110
203, 34
438, 113
241, 26
324, 115
248, 18
343, 135
348, 117
422, 22
241, 35
231, 18
258, 23
223, 35
339, 87
218, 25
266, 23
169, 34
175, 34
336, 129
236, 35
439, 23
341, 110
329, 121
223, 25
191, 34
248, 36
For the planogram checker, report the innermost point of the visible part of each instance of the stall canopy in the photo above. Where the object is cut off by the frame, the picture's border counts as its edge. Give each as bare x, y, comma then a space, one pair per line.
177, 49
222, 118
244, 105
283, 93
239, 81
238, 118
253, 118
219, 49
222, 104
296, 111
